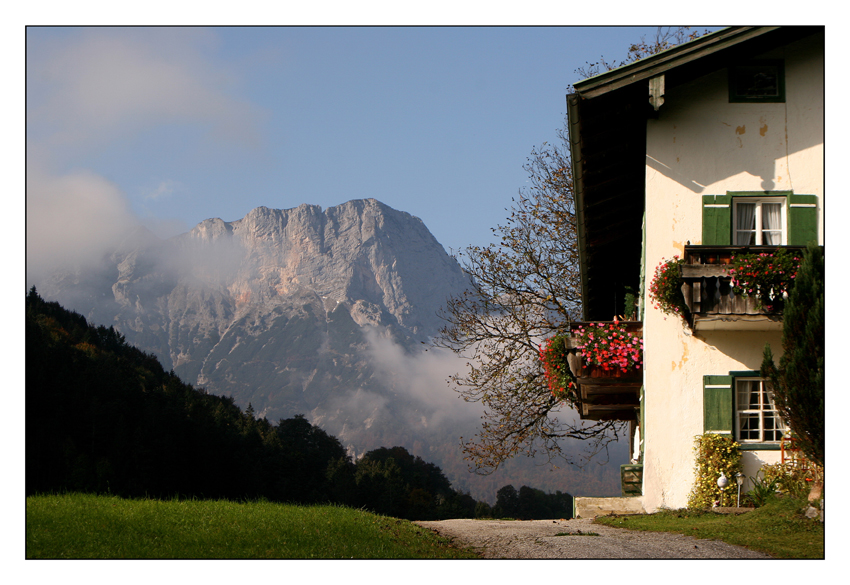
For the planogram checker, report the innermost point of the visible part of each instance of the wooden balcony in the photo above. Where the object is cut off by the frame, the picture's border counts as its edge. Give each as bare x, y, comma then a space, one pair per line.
708, 292
605, 394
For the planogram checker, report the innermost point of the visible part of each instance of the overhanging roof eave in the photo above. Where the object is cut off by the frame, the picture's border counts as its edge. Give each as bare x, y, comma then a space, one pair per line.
669, 59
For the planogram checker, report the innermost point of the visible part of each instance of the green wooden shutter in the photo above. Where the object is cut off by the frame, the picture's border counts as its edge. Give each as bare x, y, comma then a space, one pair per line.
718, 404
802, 219
716, 220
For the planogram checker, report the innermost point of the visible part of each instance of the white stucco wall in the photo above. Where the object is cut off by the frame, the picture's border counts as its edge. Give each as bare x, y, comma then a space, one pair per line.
701, 144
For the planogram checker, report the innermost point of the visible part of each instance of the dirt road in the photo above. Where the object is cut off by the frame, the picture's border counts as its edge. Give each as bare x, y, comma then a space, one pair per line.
569, 539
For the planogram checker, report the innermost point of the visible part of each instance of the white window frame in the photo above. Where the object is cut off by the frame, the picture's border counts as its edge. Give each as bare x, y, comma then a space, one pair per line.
761, 412
758, 201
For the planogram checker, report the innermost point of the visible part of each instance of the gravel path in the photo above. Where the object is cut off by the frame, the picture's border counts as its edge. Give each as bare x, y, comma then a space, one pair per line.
536, 539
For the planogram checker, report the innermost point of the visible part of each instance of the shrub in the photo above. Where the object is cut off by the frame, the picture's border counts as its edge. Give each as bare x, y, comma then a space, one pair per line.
665, 291
714, 454
793, 479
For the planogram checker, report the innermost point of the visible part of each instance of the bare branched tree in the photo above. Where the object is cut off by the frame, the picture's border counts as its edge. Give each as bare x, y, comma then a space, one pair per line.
666, 37
527, 288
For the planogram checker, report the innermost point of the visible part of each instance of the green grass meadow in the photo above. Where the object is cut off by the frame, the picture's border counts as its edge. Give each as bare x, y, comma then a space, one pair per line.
777, 528
83, 526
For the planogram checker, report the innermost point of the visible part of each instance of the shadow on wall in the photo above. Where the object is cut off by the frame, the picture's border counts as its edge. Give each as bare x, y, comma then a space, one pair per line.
752, 463
735, 139
746, 346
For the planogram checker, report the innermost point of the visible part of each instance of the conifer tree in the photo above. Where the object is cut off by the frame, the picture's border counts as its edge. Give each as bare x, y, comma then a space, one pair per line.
798, 381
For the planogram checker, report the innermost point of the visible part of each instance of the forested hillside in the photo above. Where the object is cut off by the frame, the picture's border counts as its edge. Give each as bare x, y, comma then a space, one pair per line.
103, 416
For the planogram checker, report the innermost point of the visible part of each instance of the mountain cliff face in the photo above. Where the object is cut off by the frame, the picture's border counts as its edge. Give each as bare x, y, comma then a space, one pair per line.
275, 308
297, 311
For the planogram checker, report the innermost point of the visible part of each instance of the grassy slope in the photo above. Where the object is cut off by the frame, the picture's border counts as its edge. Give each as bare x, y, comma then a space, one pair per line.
778, 528
83, 526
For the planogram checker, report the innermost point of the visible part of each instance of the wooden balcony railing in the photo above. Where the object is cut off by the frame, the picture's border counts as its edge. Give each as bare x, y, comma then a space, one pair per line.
709, 295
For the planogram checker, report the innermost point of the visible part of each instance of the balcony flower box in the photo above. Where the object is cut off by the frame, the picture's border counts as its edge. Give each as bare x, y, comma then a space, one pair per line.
767, 276
597, 368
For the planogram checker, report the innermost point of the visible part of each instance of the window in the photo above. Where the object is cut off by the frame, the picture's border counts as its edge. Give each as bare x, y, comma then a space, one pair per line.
740, 405
756, 417
757, 81
759, 221
766, 218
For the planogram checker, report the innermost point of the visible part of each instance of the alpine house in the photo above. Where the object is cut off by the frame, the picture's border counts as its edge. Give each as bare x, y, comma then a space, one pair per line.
683, 161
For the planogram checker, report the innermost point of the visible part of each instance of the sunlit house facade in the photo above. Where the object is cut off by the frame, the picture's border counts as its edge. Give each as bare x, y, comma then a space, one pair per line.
702, 151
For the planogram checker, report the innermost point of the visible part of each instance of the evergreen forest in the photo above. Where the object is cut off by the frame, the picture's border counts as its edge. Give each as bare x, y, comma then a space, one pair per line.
103, 416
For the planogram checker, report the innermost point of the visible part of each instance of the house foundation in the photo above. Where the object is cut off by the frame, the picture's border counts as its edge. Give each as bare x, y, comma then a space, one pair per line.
593, 507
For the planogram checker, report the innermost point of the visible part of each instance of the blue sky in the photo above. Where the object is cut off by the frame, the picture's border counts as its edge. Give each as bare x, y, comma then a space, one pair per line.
172, 126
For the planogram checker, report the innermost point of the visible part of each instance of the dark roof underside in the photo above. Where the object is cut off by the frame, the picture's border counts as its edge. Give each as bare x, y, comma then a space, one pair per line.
611, 208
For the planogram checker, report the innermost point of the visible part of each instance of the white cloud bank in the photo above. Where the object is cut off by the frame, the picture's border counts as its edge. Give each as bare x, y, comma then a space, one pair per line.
424, 377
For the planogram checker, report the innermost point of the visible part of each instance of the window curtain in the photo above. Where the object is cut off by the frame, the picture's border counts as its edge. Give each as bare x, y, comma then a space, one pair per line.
769, 400
771, 222
746, 224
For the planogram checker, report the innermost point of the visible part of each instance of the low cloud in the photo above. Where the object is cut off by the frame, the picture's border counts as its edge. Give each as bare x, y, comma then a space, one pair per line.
424, 377
73, 219
76, 220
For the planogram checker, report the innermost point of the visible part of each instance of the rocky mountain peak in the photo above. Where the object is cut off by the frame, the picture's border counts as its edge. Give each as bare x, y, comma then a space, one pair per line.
383, 263
210, 230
